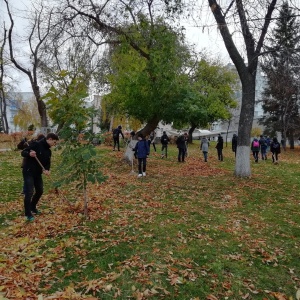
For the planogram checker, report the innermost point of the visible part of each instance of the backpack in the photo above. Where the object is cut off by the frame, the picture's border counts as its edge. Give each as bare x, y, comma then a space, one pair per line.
255, 144
115, 133
164, 139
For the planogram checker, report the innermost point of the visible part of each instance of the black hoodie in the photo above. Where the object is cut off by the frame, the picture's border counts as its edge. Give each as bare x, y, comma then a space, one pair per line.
43, 153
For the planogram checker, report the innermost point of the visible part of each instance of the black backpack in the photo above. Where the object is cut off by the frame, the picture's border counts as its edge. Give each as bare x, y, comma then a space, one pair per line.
116, 133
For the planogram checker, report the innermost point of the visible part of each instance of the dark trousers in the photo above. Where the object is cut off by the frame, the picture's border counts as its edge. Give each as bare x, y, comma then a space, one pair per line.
181, 154
274, 156
33, 190
164, 150
154, 147
142, 164
117, 143
220, 154
255, 155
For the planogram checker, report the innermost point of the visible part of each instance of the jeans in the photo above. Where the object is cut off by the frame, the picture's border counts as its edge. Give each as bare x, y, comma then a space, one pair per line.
274, 156
220, 154
181, 154
33, 190
255, 155
164, 150
205, 156
117, 143
142, 161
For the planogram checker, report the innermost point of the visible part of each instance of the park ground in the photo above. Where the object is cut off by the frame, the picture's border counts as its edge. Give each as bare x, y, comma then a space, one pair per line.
185, 231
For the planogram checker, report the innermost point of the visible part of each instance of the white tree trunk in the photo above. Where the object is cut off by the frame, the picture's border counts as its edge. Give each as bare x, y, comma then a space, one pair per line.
242, 163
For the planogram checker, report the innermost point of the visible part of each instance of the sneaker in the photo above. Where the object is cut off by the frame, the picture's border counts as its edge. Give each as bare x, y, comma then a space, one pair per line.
144, 173
36, 212
30, 218
140, 175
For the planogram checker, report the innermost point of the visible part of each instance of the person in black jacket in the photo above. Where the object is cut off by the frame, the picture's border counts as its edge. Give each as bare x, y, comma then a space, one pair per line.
181, 145
219, 147
37, 153
164, 142
116, 136
234, 143
275, 149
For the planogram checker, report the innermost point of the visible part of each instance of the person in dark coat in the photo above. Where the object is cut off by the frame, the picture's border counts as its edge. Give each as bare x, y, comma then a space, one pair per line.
38, 151
255, 149
275, 149
263, 147
24, 144
181, 145
116, 137
219, 147
141, 152
234, 143
164, 142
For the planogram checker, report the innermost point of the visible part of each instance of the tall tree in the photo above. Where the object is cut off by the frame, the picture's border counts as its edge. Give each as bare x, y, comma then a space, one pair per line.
39, 32
207, 97
118, 22
148, 88
253, 37
281, 66
3, 103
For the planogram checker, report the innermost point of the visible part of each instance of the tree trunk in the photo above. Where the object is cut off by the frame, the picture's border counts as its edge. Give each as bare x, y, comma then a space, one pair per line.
242, 166
191, 130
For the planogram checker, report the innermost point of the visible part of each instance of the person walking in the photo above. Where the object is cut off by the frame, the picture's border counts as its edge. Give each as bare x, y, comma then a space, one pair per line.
275, 149
151, 140
204, 147
263, 148
234, 143
164, 142
219, 147
181, 145
141, 150
116, 137
255, 149
38, 151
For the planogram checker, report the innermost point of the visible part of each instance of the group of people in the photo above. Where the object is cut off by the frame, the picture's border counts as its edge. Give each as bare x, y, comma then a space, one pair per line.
142, 150
263, 145
37, 158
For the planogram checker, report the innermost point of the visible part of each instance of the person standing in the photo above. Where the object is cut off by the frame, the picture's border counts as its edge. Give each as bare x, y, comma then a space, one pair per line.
255, 149
181, 145
219, 147
275, 149
116, 137
234, 144
141, 152
204, 147
38, 151
164, 142
151, 140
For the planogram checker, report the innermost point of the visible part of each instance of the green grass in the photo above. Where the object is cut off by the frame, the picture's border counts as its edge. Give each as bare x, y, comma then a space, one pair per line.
186, 231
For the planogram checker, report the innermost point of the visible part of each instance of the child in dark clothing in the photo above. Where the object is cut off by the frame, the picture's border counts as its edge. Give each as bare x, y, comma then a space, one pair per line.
141, 152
